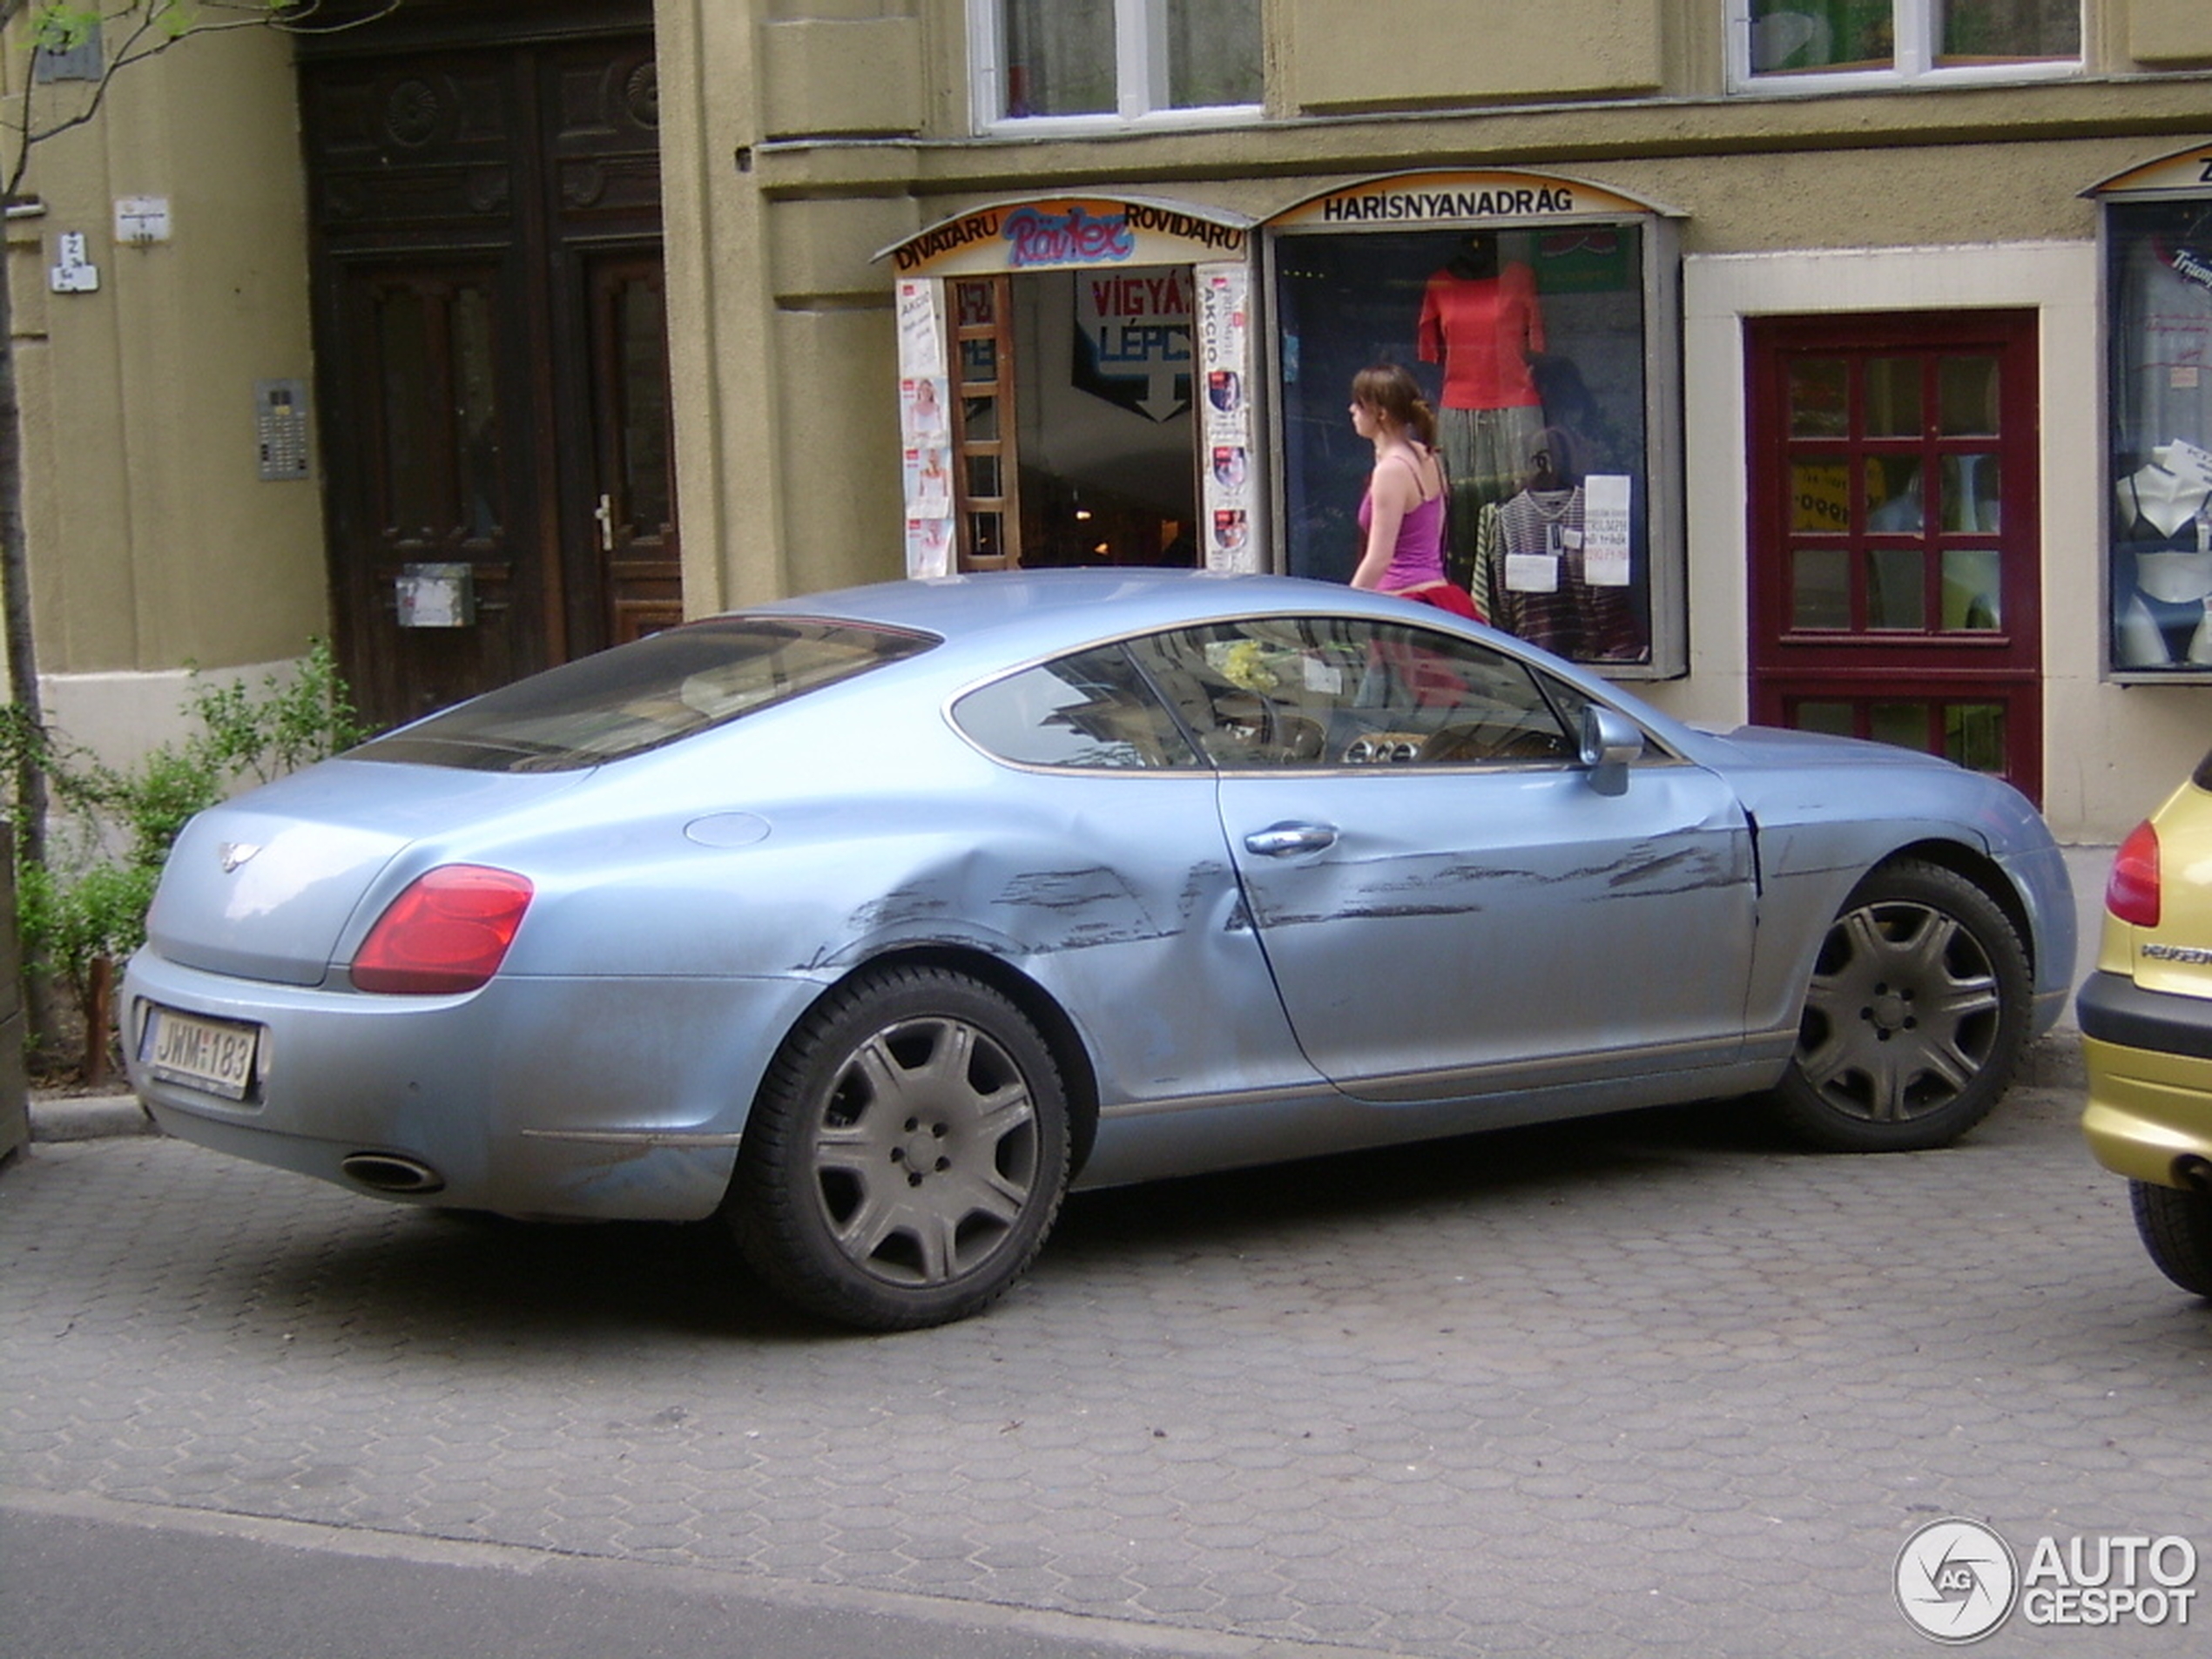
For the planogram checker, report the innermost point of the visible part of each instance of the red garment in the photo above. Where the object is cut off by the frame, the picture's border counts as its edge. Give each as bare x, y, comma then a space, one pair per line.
1483, 329
1444, 596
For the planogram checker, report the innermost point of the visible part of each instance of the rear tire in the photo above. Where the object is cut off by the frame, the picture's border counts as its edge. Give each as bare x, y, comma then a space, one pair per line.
2175, 1225
907, 1155
1916, 1015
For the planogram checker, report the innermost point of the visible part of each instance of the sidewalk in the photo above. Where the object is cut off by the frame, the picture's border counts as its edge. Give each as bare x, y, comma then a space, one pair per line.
2054, 1063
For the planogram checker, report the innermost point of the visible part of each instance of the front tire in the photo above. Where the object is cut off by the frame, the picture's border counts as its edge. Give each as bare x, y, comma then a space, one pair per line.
2176, 1226
907, 1153
1916, 1015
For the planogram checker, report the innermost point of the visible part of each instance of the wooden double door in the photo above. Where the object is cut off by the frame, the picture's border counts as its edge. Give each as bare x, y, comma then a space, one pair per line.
492, 348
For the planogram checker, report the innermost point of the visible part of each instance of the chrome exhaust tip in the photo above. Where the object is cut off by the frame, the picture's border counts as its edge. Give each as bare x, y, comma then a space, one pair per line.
387, 1173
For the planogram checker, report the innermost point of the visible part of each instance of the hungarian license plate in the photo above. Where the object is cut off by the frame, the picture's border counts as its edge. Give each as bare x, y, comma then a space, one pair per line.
214, 1054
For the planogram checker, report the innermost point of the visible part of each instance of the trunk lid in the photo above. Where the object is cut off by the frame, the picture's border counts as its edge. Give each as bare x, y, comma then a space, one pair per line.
263, 886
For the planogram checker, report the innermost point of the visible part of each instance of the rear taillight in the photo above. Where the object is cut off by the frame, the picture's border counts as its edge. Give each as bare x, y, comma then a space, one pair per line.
2131, 894
448, 932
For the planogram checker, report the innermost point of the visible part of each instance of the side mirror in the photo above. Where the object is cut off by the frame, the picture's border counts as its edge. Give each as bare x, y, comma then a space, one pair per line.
1611, 744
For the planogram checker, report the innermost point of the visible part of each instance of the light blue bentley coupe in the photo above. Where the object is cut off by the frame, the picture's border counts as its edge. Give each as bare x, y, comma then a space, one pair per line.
873, 921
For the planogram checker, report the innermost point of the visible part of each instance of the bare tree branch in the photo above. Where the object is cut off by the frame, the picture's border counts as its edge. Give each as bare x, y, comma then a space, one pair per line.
148, 28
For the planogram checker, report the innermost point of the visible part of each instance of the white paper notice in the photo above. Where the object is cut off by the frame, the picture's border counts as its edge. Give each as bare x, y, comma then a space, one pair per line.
921, 338
1532, 572
2185, 459
1605, 529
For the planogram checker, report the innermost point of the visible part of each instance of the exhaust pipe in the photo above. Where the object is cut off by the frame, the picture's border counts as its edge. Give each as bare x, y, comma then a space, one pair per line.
2195, 1173
387, 1173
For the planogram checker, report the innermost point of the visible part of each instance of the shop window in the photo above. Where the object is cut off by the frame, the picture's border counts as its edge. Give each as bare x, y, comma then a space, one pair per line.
1806, 46
1051, 378
1535, 344
2158, 286
1107, 61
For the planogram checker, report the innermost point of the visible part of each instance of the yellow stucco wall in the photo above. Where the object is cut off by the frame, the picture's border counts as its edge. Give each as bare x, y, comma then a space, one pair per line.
2167, 32
1353, 55
153, 542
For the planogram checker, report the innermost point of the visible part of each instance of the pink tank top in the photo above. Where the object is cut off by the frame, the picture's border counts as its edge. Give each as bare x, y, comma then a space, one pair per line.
1419, 556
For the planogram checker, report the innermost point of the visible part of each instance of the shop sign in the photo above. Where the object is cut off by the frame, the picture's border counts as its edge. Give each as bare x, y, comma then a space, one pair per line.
1133, 341
1067, 235
2188, 173
1417, 199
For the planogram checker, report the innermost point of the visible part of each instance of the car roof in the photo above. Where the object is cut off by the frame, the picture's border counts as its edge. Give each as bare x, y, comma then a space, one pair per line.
991, 620
1031, 612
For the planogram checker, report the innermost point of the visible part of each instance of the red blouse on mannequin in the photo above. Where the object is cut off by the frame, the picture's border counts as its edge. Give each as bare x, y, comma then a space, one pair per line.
1483, 329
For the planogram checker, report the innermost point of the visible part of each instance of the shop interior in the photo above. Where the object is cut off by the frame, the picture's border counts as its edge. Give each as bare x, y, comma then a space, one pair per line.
1105, 433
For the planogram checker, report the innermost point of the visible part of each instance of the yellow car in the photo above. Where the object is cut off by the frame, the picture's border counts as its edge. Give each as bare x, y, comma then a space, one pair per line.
2146, 1017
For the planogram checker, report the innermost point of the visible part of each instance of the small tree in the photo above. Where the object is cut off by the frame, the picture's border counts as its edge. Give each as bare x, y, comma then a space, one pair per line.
107, 39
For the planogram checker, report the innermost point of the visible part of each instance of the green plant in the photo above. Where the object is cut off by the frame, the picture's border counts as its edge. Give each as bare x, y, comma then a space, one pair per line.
85, 906
285, 725
99, 914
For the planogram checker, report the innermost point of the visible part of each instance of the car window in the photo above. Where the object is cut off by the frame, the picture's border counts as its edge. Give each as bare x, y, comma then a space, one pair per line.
640, 696
1092, 710
1566, 701
1330, 691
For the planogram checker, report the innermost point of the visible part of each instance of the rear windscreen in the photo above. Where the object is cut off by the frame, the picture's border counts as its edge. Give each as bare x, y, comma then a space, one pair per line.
640, 696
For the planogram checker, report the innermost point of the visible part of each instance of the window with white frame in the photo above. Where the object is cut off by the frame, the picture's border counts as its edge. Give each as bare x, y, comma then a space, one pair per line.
1816, 45
1094, 61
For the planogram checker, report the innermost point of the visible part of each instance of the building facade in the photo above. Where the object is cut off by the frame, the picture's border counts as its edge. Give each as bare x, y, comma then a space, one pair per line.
1843, 363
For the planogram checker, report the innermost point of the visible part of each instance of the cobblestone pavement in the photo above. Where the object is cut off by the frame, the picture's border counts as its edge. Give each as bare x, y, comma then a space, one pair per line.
1643, 1386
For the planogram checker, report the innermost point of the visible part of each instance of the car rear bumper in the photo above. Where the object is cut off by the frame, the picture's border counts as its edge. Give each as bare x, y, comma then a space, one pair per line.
607, 1099
2149, 1055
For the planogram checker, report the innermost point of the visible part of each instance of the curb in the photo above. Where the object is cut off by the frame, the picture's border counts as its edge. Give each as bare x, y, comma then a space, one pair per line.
87, 1117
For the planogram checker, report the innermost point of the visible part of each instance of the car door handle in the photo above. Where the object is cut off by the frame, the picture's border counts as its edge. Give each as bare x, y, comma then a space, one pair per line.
1282, 839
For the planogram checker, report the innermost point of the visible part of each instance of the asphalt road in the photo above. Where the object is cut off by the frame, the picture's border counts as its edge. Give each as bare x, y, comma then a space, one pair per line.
1645, 1385
83, 1579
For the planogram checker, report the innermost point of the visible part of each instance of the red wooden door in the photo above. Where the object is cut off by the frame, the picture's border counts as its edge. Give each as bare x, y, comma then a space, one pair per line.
1895, 554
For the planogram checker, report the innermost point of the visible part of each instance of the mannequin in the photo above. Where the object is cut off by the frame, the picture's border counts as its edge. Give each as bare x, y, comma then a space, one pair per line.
1481, 322
2165, 552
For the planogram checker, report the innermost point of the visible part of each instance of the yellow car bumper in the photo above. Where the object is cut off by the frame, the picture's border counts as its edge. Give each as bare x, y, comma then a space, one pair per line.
2148, 1111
